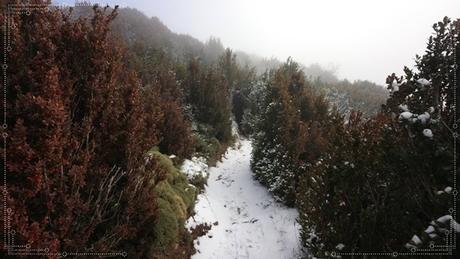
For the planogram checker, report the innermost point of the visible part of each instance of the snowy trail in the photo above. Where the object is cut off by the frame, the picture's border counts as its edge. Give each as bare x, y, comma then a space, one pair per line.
250, 223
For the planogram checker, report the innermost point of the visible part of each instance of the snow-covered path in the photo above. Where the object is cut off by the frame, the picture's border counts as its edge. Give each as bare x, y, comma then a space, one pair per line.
250, 224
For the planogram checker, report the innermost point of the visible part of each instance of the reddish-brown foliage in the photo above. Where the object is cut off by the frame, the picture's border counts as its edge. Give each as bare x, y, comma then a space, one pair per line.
77, 136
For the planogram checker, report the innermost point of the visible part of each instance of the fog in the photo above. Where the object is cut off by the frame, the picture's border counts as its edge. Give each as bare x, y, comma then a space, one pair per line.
362, 39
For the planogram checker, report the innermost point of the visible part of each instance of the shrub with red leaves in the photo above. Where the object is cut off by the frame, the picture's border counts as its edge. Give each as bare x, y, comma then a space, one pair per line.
78, 131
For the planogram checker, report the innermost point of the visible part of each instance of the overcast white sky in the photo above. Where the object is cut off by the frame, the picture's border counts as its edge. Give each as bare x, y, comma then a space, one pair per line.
365, 39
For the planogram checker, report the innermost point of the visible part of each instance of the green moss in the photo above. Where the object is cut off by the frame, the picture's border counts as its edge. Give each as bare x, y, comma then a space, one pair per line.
176, 198
166, 227
209, 147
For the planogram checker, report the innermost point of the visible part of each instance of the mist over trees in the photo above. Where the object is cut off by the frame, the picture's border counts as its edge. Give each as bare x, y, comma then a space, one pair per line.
136, 28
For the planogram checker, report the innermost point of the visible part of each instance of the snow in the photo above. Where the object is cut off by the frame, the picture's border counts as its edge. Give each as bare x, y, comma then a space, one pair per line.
442, 225
250, 223
195, 166
235, 129
423, 81
340, 246
416, 240
456, 226
429, 230
433, 235
424, 117
404, 107
395, 86
406, 115
444, 219
453, 223
428, 133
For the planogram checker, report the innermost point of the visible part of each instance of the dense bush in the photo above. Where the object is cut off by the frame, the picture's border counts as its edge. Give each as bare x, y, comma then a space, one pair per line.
383, 180
363, 96
208, 94
160, 91
287, 136
80, 122
370, 181
361, 182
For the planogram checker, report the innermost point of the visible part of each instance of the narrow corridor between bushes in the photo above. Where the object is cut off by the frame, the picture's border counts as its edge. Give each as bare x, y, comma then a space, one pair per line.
246, 221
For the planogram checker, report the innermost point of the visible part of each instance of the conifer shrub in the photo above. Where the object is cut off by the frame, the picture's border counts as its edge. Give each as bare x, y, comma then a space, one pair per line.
161, 92
286, 137
382, 180
208, 94
209, 147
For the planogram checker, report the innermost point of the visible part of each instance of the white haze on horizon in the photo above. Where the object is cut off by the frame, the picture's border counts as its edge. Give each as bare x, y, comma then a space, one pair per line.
363, 39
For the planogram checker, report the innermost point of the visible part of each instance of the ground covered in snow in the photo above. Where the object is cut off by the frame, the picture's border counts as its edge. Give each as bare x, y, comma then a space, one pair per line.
246, 221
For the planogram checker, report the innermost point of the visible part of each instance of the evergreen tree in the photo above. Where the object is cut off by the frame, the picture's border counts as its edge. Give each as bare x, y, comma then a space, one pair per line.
208, 93
287, 137
382, 180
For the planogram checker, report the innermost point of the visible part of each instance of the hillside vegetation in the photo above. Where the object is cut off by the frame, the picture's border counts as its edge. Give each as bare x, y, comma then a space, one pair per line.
103, 105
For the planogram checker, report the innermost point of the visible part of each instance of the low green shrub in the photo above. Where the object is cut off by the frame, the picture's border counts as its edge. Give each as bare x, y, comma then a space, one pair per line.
176, 198
199, 181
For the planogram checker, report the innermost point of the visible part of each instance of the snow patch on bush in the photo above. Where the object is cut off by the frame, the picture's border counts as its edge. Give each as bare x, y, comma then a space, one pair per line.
395, 86
423, 82
195, 167
416, 240
423, 118
428, 133
340, 246
404, 107
406, 115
